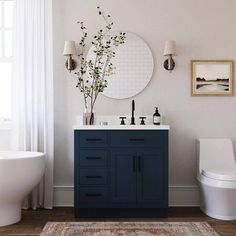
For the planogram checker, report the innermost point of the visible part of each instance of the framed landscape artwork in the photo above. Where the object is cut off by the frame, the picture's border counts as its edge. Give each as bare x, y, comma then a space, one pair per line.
212, 78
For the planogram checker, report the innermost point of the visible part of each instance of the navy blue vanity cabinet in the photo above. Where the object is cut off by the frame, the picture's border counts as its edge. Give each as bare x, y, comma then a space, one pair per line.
152, 178
91, 170
121, 173
137, 176
123, 176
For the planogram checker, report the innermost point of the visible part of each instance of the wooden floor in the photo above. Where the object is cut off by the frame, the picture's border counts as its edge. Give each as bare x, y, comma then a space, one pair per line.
33, 221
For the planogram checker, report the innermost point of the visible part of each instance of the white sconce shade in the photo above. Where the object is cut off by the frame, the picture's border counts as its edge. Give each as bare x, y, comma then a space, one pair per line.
69, 48
169, 51
170, 48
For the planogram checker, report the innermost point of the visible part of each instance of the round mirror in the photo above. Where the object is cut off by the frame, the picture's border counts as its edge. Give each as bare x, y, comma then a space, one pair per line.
134, 67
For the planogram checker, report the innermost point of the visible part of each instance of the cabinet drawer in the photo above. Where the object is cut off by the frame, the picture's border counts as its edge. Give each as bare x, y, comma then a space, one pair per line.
94, 158
137, 138
93, 177
93, 195
93, 139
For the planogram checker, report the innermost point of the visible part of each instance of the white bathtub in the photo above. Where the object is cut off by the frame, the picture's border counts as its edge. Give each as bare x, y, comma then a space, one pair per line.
20, 172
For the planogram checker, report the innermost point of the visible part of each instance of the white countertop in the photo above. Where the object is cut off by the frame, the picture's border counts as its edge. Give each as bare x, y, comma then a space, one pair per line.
114, 124
121, 127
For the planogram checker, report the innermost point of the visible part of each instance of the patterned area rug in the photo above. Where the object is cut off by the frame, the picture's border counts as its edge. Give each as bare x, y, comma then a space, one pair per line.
128, 229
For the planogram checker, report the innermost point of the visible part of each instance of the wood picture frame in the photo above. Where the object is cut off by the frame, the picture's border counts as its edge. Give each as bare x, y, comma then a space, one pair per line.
212, 77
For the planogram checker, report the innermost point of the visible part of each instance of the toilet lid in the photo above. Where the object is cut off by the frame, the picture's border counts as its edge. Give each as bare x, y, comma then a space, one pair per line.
227, 175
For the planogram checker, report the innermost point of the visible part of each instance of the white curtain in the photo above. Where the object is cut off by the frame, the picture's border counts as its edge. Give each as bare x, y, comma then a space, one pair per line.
33, 90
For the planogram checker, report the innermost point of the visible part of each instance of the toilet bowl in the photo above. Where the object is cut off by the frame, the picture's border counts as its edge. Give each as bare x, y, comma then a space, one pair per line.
217, 178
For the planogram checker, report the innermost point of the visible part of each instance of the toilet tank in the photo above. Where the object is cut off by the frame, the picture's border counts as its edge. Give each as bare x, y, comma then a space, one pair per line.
215, 153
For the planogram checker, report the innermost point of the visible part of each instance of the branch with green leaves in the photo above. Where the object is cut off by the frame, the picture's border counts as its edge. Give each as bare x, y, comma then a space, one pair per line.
91, 76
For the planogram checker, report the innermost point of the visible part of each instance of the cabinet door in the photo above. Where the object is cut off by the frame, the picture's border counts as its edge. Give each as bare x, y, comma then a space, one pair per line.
152, 177
123, 176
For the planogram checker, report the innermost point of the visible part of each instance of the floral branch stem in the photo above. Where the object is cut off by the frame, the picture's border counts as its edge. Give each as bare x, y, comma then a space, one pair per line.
92, 73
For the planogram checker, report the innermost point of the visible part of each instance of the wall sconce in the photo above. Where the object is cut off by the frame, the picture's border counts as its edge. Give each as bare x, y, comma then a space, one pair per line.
70, 50
169, 51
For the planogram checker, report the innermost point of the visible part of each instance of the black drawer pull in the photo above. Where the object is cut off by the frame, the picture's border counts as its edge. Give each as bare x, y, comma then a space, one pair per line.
94, 139
93, 177
93, 195
136, 139
94, 158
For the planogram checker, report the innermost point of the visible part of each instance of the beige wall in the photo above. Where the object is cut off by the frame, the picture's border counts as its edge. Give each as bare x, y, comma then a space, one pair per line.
203, 29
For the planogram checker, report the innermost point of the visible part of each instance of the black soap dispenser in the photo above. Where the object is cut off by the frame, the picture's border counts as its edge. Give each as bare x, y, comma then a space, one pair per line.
156, 117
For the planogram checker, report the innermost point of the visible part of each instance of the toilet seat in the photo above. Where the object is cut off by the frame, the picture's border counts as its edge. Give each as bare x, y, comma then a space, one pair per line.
224, 175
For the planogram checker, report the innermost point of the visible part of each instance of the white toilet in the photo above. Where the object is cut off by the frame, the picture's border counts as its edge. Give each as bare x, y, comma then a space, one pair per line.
217, 178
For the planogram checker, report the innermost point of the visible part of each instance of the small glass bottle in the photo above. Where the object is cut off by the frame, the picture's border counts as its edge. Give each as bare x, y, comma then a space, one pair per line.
156, 117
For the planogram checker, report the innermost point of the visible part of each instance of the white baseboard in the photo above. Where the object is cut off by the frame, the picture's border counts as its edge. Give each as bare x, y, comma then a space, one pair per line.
63, 196
184, 196
179, 196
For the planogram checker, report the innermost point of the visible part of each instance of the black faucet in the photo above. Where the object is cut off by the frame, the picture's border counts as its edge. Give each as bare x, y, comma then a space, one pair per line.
132, 118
